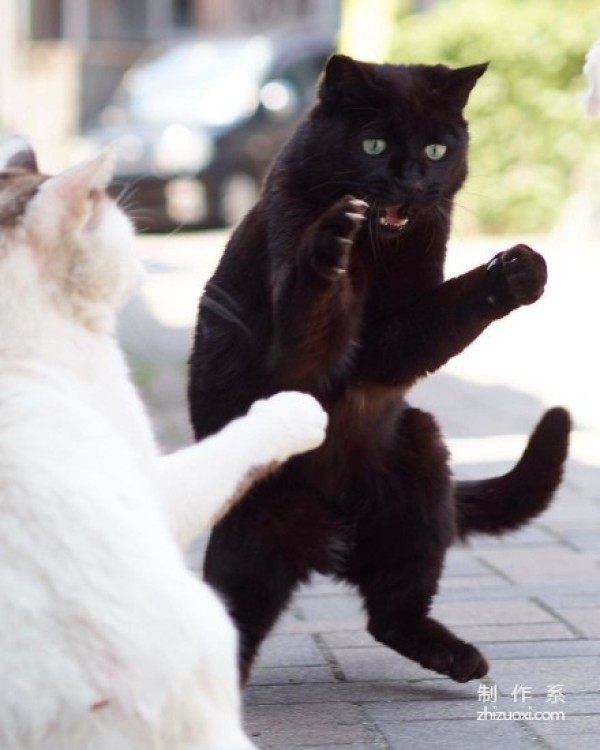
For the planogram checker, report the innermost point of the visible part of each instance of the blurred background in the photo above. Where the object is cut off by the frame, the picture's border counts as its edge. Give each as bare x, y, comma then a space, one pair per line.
200, 94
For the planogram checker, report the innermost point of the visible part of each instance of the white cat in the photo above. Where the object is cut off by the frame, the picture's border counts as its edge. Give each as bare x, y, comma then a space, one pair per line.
107, 641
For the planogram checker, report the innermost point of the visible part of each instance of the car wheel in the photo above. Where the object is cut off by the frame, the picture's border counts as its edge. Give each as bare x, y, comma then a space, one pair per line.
239, 192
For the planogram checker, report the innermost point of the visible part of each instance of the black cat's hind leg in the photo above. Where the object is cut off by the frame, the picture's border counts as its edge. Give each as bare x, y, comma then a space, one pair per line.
259, 553
398, 617
399, 550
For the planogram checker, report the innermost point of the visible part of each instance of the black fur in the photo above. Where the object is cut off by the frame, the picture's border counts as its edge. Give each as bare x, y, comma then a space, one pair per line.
323, 288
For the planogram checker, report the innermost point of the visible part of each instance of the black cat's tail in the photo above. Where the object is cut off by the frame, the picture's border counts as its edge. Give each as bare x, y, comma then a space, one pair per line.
504, 503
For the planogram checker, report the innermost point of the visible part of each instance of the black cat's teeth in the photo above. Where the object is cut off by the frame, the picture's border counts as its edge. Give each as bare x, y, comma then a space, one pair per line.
392, 217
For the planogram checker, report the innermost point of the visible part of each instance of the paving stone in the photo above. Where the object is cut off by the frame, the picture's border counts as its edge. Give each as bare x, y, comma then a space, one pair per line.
290, 675
583, 539
583, 480
392, 691
530, 536
320, 585
457, 735
482, 402
302, 726
570, 514
348, 639
550, 631
341, 607
505, 612
585, 619
456, 583
423, 710
291, 623
483, 594
551, 649
539, 564
576, 673
289, 651
460, 561
575, 733
573, 596
378, 663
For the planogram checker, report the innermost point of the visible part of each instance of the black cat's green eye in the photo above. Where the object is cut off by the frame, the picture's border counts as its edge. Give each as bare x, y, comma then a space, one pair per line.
374, 146
435, 151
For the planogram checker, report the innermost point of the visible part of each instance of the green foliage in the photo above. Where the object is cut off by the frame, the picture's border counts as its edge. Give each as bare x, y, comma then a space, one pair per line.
530, 136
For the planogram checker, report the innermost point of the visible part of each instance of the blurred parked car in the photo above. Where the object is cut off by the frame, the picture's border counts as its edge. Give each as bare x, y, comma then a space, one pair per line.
197, 123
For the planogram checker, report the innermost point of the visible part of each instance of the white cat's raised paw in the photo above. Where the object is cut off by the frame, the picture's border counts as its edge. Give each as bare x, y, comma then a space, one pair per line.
296, 422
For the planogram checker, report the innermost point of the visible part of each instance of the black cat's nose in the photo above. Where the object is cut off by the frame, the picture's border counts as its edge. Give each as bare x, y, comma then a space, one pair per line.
411, 181
415, 187
408, 192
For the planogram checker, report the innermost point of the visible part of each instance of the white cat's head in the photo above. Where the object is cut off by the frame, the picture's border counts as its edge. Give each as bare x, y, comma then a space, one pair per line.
64, 242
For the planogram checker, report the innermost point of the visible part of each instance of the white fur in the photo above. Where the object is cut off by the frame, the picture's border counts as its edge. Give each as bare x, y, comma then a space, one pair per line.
107, 641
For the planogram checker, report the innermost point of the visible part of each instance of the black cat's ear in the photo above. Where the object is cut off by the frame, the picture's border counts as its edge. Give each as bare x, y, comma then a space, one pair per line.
345, 81
16, 153
456, 84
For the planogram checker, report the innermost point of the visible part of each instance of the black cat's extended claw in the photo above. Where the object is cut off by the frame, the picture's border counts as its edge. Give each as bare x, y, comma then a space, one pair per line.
359, 204
339, 271
355, 217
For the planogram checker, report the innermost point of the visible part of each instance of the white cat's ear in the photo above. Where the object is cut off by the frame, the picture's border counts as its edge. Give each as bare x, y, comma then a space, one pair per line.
67, 200
16, 152
85, 178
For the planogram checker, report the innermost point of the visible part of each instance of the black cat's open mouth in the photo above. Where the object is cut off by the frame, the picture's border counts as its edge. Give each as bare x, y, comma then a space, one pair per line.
393, 217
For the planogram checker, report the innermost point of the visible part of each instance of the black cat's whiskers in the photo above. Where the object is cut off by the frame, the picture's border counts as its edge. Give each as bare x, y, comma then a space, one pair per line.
378, 241
468, 191
461, 206
228, 309
373, 227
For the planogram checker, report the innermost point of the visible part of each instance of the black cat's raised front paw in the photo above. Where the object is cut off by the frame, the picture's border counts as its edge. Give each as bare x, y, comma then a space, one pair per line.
519, 273
333, 236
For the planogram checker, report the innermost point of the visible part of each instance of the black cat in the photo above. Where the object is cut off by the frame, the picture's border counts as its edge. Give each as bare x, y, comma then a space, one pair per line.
333, 284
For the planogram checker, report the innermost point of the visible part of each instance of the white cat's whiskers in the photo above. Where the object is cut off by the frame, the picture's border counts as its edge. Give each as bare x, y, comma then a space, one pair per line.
94, 578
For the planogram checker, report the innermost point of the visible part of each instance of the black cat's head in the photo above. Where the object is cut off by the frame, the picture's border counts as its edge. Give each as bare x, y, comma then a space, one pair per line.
393, 135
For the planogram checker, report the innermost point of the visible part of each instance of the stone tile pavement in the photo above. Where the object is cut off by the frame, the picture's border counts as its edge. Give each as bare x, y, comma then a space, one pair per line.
531, 601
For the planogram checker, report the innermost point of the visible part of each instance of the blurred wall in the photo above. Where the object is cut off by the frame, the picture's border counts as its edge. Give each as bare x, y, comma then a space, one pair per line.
9, 62
60, 60
39, 84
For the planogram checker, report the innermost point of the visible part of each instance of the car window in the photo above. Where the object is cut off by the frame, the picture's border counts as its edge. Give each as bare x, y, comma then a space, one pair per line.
204, 82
